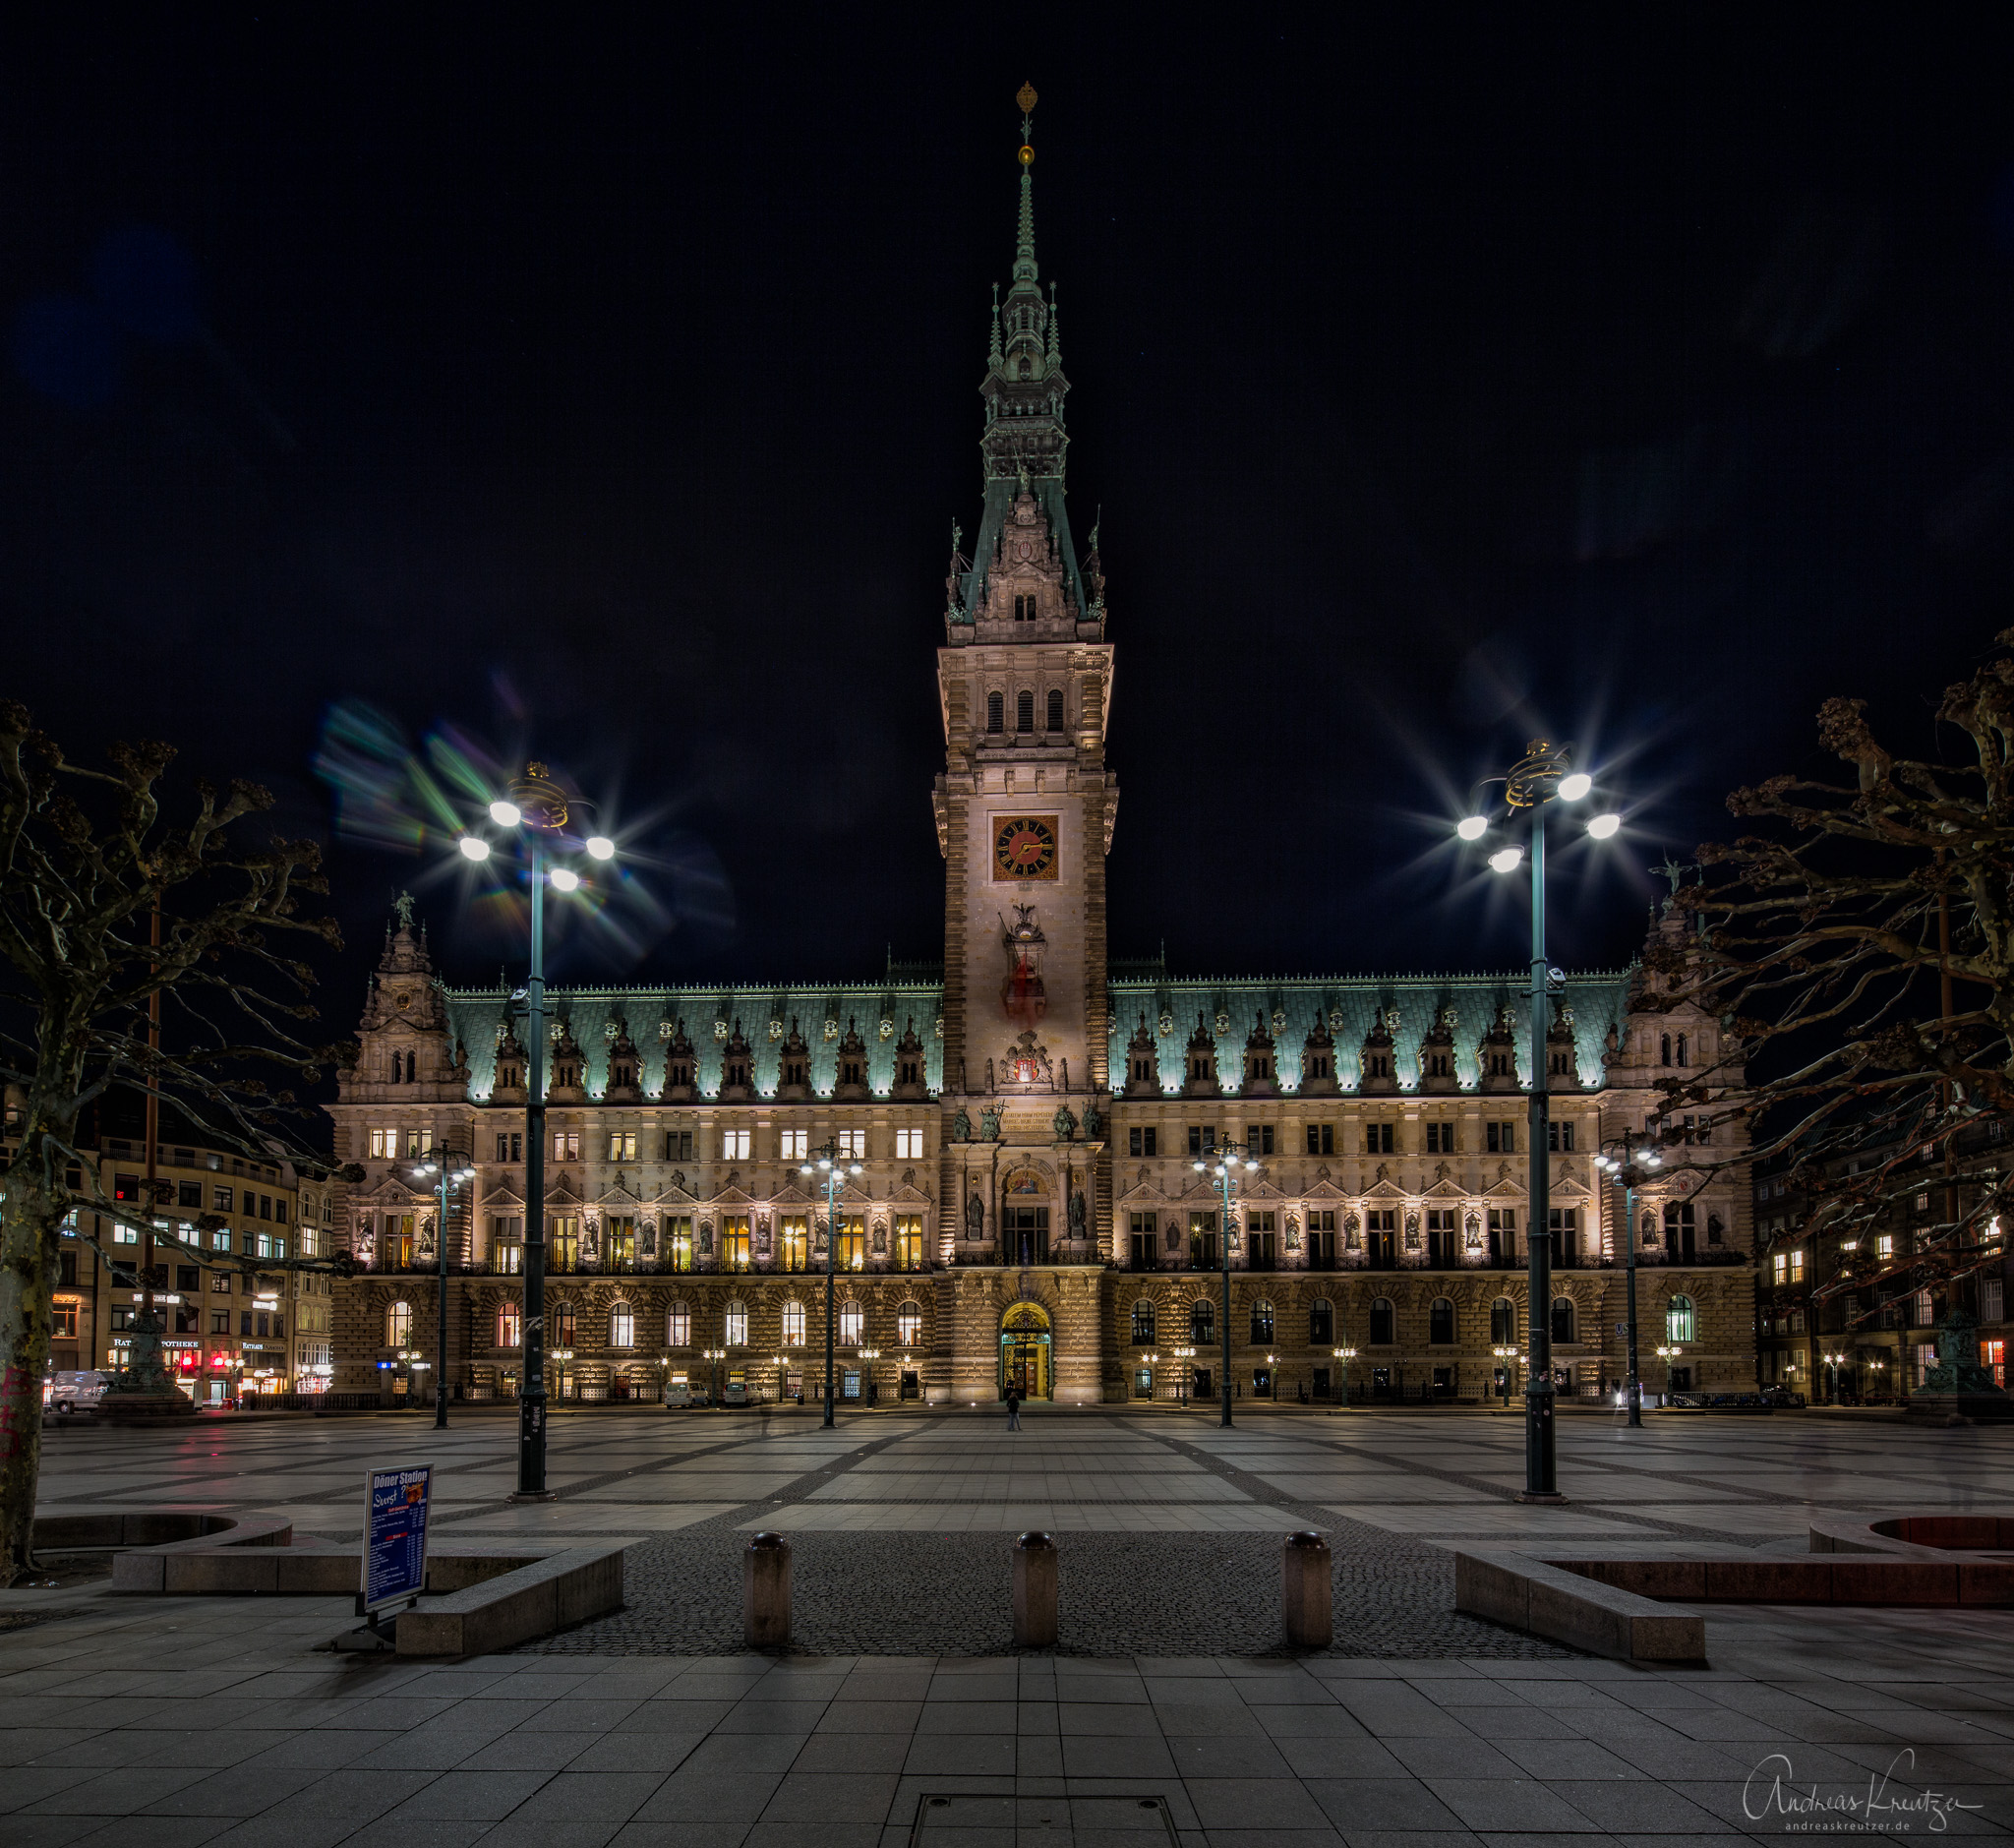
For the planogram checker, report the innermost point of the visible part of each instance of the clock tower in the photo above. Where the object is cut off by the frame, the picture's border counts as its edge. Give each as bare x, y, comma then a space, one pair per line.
1025, 806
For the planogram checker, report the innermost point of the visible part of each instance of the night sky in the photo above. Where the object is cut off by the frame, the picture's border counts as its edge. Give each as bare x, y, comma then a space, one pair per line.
607, 393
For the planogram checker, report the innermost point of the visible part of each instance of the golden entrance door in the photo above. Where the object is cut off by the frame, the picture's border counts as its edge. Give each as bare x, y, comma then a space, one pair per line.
1026, 1353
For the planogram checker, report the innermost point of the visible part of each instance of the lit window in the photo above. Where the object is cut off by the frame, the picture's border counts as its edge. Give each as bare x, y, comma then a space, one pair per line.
796, 1145
909, 1145
793, 1324
853, 1144
734, 1145
511, 1325
623, 1145
565, 1145
909, 1324
399, 1325
621, 1326
909, 1241
1143, 1325
1679, 1320
677, 1325
737, 1324
852, 1321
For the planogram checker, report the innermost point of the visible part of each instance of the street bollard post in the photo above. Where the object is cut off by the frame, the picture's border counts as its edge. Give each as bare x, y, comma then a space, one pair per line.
766, 1592
1035, 1591
1306, 1603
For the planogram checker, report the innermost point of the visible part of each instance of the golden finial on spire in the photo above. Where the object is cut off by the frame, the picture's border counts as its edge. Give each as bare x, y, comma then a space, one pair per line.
1024, 96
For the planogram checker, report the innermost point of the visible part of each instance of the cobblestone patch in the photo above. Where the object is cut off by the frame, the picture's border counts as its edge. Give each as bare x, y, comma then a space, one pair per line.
1118, 1594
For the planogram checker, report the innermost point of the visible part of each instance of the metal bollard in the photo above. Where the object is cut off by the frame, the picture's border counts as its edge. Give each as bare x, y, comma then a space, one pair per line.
1035, 1591
1306, 1602
766, 1592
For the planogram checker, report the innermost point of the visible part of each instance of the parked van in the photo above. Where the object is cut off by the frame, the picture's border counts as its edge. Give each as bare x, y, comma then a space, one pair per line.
74, 1392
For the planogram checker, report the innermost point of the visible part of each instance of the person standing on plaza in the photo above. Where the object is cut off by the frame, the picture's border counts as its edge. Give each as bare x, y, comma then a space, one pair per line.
1014, 1408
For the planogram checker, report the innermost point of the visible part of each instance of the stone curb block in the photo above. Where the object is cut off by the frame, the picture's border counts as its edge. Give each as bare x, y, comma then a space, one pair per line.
1532, 1596
532, 1601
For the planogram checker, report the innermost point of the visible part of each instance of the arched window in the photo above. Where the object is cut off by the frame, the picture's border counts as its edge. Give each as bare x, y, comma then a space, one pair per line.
909, 1323
1201, 1321
1502, 1322
1142, 1324
1262, 1323
995, 709
1321, 1321
853, 1324
1440, 1323
1564, 1321
736, 1319
1681, 1048
1056, 708
399, 1325
511, 1325
1380, 1322
793, 1324
1664, 1048
1680, 1321
1024, 710
564, 1326
679, 1326
621, 1326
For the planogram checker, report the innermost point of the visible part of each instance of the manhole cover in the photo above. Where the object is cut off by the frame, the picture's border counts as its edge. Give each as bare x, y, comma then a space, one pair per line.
949, 1819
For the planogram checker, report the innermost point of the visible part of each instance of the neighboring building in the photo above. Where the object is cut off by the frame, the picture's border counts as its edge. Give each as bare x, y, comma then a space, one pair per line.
1851, 1313
1024, 1113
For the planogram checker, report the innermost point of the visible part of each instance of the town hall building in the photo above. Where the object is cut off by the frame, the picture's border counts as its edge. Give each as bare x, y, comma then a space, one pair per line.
1026, 1116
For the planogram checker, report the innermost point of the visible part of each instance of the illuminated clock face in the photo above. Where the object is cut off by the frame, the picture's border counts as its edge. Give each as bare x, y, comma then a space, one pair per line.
1025, 847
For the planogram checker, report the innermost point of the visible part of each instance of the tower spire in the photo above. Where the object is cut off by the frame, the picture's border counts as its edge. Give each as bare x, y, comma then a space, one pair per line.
1024, 248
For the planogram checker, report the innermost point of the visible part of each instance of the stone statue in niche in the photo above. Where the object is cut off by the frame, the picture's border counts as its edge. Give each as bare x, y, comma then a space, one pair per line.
1076, 1215
880, 1238
989, 1124
646, 1239
1293, 1233
706, 1238
1093, 1121
1063, 1123
960, 1127
974, 1218
763, 1238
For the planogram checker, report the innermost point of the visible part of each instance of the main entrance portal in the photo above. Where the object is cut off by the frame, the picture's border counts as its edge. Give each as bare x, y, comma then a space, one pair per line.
1025, 1353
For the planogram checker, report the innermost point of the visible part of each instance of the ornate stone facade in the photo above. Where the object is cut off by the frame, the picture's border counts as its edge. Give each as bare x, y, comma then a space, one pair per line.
1024, 1115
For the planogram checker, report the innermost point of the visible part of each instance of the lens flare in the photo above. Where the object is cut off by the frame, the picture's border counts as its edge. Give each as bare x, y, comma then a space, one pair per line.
475, 846
564, 879
1508, 859
601, 847
1602, 826
1472, 827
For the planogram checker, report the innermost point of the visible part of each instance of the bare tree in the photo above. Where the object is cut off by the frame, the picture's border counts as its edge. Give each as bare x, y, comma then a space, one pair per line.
1859, 951
108, 912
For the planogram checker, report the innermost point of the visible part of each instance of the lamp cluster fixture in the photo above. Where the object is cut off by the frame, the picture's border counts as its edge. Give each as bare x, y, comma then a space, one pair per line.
456, 1174
535, 802
1541, 776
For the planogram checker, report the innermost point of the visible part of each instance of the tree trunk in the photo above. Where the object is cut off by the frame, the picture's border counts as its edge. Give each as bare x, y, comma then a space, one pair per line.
30, 1227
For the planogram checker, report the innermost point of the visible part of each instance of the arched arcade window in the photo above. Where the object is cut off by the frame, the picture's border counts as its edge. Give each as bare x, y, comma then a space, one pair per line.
1380, 1322
1440, 1323
1142, 1324
399, 1325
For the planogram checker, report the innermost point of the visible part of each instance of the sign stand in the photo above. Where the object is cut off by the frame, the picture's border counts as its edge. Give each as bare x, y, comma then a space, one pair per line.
395, 1552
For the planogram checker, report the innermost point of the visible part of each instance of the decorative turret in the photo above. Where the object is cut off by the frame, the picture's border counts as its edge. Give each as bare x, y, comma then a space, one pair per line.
403, 1035
513, 1064
1496, 1054
1317, 1061
794, 1068
625, 1068
910, 1082
1261, 1080
681, 1065
1143, 1064
567, 1072
1379, 1064
851, 1082
1437, 1051
1563, 1058
736, 1069
1198, 1077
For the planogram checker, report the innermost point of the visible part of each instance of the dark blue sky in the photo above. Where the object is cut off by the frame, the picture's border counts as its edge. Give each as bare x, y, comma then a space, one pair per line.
611, 390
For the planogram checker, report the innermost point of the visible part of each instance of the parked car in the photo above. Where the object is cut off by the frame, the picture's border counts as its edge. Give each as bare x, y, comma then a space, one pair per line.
71, 1392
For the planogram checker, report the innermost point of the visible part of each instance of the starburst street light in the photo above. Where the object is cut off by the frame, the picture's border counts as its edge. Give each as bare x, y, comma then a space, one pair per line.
1543, 775
452, 1170
1629, 1160
835, 1166
534, 811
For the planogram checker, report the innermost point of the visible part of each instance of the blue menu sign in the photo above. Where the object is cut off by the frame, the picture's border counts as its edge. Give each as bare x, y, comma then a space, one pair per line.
395, 1533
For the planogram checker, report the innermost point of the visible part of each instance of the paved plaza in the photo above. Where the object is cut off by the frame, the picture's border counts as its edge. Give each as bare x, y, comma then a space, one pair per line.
903, 1714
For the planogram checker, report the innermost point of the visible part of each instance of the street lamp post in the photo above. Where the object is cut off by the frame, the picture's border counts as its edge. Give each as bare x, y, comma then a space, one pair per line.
1504, 1358
1186, 1370
1345, 1355
1668, 1354
1223, 1159
867, 1356
538, 807
1835, 1362
1632, 1167
1542, 775
714, 1356
832, 1165
451, 1175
